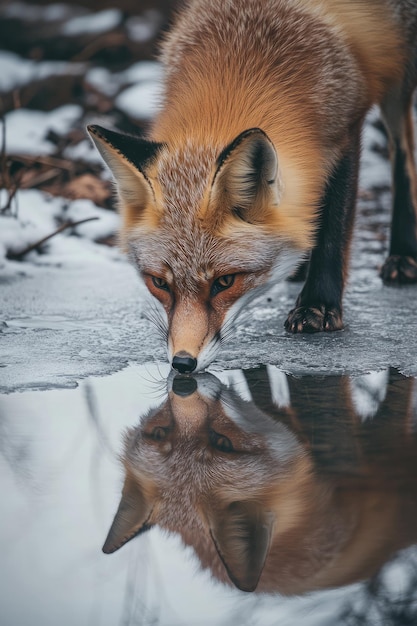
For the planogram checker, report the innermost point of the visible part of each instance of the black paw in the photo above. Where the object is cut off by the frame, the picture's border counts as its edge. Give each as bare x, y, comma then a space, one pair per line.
314, 319
399, 270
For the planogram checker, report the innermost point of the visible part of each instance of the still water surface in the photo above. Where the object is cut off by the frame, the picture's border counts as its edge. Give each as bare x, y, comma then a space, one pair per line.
238, 497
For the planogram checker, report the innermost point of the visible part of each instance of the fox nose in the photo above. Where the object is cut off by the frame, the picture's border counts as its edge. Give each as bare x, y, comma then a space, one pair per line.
184, 363
184, 386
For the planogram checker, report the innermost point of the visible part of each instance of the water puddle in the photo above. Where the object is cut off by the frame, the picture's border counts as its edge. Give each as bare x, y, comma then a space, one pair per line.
244, 497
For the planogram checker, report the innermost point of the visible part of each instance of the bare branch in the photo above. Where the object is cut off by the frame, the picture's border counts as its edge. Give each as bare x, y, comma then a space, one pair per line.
19, 255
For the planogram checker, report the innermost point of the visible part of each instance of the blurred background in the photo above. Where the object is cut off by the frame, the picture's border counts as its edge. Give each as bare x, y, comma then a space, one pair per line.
62, 66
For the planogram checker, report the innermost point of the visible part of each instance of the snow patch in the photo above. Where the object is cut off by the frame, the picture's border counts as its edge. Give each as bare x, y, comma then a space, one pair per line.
144, 27
16, 72
50, 13
39, 215
26, 130
140, 101
96, 23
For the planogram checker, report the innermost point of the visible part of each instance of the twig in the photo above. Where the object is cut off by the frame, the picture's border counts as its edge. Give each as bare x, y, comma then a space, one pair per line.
42, 178
62, 164
19, 255
11, 186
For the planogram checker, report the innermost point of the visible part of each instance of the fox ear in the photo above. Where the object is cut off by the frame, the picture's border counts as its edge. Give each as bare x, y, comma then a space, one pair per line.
131, 519
246, 181
127, 157
242, 536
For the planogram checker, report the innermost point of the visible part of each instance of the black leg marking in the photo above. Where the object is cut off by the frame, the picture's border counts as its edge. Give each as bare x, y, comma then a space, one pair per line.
401, 265
319, 305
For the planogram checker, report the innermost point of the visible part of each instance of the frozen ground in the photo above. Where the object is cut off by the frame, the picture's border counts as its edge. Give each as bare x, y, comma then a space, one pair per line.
60, 324
78, 309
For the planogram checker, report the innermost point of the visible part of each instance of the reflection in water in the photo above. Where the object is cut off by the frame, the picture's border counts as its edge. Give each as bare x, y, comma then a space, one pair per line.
278, 483
306, 482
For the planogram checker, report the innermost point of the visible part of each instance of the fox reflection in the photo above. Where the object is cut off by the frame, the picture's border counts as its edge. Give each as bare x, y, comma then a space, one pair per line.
278, 483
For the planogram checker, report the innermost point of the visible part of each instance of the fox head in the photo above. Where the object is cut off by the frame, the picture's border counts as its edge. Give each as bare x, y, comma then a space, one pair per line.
205, 228
236, 484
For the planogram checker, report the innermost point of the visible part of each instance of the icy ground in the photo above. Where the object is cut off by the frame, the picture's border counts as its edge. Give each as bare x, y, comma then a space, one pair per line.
78, 308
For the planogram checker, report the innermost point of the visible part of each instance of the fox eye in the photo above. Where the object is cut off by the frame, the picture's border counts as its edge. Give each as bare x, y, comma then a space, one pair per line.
222, 283
159, 433
160, 283
220, 442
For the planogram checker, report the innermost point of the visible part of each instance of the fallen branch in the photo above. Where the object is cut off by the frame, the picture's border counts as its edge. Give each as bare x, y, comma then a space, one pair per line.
62, 164
18, 256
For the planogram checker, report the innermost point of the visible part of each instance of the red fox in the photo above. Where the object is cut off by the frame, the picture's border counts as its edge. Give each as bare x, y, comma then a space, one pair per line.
250, 168
289, 496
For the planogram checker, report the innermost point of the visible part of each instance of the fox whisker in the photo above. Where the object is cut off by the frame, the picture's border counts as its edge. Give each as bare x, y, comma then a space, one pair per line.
154, 315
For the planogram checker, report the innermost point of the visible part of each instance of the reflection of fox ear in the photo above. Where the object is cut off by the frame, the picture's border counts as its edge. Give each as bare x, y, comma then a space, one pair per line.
242, 535
132, 517
246, 182
127, 157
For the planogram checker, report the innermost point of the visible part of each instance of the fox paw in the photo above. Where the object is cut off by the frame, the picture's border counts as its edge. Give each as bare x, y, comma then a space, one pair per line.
314, 319
399, 270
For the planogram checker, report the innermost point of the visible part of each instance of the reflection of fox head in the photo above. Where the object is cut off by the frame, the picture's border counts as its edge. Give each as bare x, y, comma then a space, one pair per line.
259, 505
235, 483
215, 467
204, 231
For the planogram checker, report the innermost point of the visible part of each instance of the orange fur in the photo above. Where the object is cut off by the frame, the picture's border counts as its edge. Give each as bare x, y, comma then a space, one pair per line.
212, 96
330, 524
263, 104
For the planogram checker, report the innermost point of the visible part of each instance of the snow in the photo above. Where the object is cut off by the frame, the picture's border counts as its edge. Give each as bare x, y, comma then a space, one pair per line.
37, 219
140, 101
16, 72
49, 13
26, 130
85, 151
104, 81
143, 71
96, 23
143, 27
39, 215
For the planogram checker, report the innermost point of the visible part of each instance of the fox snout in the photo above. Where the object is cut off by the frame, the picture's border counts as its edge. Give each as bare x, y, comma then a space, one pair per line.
193, 335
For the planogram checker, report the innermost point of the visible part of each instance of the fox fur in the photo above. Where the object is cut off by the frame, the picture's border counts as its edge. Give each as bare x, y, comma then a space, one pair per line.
250, 167
275, 488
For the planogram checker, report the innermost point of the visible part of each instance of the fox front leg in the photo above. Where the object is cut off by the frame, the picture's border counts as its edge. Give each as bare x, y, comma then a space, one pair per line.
401, 264
319, 305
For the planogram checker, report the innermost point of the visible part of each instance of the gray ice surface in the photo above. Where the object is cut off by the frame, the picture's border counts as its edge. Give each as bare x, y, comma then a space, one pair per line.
61, 324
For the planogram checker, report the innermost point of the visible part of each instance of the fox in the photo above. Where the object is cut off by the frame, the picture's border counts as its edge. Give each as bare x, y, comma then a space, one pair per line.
275, 489
249, 171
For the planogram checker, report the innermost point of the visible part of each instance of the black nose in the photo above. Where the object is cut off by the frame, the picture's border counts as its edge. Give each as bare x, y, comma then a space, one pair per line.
184, 385
184, 363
